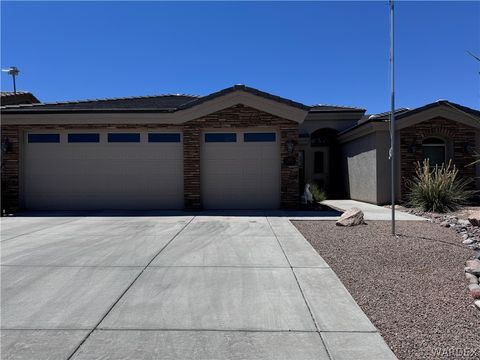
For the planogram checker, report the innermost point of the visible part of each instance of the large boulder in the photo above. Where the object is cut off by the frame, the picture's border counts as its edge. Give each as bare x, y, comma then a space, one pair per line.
474, 218
351, 217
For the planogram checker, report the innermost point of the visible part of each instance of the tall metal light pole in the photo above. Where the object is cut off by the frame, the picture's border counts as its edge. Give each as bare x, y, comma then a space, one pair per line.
14, 72
392, 113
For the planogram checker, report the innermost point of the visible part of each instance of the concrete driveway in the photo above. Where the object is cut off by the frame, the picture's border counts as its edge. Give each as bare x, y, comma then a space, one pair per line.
190, 286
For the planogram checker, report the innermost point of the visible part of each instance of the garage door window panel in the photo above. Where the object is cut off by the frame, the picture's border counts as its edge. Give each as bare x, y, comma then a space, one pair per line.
124, 137
220, 137
164, 137
43, 138
259, 137
84, 138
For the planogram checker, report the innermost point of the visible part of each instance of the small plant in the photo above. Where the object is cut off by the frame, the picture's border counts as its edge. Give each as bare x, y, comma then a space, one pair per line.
438, 189
317, 193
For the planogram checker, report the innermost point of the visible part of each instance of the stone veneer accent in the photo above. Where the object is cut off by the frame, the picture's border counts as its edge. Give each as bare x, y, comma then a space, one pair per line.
10, 170
235, 117
456, 136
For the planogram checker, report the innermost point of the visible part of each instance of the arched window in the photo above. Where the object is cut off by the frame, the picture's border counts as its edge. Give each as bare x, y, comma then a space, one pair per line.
434, 149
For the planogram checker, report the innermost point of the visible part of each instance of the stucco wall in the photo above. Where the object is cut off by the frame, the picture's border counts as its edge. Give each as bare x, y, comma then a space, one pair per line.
359, 166
383, 168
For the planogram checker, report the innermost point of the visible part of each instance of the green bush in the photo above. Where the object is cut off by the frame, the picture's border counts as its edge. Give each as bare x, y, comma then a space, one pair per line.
317, 193
437, 189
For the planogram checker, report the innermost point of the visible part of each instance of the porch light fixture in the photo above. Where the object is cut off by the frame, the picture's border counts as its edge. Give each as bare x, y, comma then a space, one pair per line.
469, 149
290, 144
412, 148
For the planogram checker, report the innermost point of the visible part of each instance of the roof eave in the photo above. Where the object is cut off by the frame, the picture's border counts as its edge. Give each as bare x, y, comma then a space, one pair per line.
82, 111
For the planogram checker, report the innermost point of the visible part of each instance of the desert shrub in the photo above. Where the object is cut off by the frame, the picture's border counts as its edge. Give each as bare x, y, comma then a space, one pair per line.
437, 189
317, 193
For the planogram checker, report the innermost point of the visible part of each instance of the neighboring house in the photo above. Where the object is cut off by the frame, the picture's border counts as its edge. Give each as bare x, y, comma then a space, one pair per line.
20, 97
239, 148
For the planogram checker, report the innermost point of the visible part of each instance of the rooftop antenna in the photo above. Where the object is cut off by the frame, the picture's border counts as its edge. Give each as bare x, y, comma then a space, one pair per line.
13, 70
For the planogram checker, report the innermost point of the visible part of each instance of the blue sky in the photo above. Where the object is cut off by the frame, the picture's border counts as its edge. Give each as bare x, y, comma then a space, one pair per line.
312, 52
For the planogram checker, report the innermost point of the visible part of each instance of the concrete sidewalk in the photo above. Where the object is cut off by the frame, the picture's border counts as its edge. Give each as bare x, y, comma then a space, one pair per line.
175, 287
371, 211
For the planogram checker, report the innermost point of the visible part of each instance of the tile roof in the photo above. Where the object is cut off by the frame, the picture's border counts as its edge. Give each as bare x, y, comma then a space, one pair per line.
406, 112
20, 97
382, 116
158, 102
329, 107
11, 93
155, 103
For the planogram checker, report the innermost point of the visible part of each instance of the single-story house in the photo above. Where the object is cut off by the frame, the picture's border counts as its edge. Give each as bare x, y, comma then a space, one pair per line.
237, 148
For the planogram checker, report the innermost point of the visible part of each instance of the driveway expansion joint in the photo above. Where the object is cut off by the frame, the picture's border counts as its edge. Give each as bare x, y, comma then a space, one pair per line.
301, 290
37, 230
126, 290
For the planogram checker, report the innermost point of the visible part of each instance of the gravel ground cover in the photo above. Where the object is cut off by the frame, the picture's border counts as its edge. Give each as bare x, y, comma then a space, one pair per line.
412, 287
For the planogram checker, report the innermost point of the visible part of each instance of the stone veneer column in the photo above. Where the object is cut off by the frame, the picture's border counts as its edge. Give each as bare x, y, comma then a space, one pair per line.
290, 197
191, 166
10, 169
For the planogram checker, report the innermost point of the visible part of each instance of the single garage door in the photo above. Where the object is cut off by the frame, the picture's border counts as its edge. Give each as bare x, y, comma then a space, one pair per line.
240, 170
90, 170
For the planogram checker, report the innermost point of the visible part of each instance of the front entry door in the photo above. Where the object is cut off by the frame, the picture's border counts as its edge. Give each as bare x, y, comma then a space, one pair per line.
320, 166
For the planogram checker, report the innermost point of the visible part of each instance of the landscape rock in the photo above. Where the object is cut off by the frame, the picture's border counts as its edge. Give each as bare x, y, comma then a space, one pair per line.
351, 217
474, 264
477, 304
473, 271
472, 279
473, 267
474, 290
474, 218
445, 223
468, 241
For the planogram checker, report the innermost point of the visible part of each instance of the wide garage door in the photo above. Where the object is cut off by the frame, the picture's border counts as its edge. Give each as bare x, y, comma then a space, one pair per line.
90, 170
240, 169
